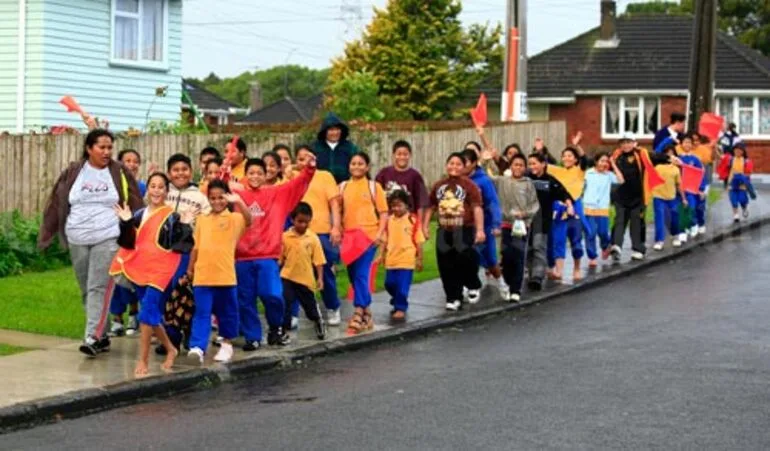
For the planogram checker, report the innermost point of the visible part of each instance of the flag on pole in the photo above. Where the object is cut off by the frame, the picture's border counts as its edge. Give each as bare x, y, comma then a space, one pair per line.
479, 114
711, 125
71, 105
692, 177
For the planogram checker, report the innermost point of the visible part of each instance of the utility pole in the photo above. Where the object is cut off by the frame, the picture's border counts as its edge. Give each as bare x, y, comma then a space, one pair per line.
513, 103
702, 61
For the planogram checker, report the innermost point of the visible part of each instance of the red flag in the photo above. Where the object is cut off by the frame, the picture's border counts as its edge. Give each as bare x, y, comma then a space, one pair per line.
354, 243
71, 105
711, 125
653, 178
692, 177
479, 114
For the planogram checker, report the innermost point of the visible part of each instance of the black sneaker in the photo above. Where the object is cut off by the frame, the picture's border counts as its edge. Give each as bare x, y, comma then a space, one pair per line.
89, 347
277, 337
320, 329
103, 345
251, 346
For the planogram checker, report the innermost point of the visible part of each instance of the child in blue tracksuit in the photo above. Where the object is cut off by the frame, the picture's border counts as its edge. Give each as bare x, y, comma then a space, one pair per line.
695, 202
666, 198
493, 221
739, 181
596, 206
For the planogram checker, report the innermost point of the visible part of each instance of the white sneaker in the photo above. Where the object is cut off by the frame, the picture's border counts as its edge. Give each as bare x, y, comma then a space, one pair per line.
505, 290
465, 292
225, 353
195, 354
132, 326
658, 246
333, 317
514, 297
683, 237
474, 296
693, 231
294, 323
117, 329
638, 256
676, 243
702, 230
746, 212
616, 253
736, 218
453, 306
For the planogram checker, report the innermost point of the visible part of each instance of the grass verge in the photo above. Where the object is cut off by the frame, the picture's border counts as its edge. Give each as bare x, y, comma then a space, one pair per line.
10, 350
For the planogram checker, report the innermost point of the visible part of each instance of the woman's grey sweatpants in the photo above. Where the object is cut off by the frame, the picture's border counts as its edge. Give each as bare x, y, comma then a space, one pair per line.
91, 264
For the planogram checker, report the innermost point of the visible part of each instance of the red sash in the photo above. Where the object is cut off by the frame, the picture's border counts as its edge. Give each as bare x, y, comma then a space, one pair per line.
148, 263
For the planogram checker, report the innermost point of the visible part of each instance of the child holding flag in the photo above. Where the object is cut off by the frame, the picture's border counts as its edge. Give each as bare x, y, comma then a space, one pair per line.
403, 253
696, 201
152, 242
364, 220
666, 201
736, 170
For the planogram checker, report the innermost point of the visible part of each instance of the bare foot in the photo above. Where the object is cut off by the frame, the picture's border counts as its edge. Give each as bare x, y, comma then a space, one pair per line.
577, 275
593, 264
553, 275
141, 369
169, 362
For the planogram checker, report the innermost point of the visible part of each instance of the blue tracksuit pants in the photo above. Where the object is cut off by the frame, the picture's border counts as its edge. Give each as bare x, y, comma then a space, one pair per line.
666, 213
597, 227
122, 297
697, 208
488, 250
358, 272
738, 198
397, 283
568, 229
222, 302
259, 279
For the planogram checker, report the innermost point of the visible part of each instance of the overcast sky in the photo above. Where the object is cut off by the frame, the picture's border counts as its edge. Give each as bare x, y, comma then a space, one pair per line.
232, 36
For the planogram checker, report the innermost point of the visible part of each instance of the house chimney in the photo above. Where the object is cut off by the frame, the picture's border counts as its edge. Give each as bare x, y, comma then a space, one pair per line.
255, 95
608, 37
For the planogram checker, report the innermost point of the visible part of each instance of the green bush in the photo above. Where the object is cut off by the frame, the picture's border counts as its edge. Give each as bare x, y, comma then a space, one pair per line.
18, 247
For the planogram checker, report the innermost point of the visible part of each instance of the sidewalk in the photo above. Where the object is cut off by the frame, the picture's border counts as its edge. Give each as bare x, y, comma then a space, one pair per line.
57, 381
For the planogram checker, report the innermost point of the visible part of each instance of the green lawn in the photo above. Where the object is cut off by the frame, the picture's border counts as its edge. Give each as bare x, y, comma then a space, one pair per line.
9, 350
49, 303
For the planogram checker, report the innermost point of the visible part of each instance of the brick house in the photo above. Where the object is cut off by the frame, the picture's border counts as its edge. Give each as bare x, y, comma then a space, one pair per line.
631, 73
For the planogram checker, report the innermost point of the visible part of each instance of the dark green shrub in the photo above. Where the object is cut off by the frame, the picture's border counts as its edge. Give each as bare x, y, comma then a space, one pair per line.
18, 247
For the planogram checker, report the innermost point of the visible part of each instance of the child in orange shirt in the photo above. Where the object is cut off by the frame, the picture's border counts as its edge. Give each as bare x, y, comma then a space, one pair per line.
212, 270
302, 261
403, 252
364, 214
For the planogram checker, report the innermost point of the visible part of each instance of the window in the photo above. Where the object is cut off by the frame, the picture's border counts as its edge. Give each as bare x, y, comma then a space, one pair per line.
637, 115
750, 114
139, 33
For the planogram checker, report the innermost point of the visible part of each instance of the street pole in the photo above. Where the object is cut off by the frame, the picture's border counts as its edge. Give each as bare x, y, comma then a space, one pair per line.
514, 98
702, 61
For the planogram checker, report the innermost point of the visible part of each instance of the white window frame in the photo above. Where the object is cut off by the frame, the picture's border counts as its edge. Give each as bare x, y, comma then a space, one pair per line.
733, 98
622, 116
162, 65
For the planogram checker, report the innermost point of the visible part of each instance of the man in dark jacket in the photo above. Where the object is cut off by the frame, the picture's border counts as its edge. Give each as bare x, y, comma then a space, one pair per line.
332, 148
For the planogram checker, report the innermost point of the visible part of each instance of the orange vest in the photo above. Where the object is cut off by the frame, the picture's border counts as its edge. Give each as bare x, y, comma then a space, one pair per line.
148, 263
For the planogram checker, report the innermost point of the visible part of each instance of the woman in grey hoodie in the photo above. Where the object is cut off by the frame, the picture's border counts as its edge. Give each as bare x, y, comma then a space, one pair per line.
519, 205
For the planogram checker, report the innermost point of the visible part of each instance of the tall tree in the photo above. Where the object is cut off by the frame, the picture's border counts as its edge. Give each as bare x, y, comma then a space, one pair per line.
292, 80
747, 20
421, 57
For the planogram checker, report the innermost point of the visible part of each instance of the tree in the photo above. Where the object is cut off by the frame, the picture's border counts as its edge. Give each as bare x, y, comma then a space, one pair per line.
300, 82
747, 20
421, 57
356, 96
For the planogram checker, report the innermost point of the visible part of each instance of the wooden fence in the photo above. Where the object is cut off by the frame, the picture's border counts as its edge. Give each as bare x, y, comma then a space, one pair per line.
30, 164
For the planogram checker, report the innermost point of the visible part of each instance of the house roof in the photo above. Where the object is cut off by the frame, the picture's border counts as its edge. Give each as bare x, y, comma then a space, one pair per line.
207, 100
286, 110
653, 54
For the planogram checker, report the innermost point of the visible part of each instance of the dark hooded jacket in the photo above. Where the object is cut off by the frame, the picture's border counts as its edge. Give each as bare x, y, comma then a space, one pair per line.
335, 160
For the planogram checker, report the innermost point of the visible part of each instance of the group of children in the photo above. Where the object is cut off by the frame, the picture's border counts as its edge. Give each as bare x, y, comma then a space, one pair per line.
275, 229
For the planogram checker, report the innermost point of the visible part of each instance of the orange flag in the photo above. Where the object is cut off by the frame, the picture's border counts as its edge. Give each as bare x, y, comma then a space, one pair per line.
653, 178
71, 105
691, 178
479, 114
711, 125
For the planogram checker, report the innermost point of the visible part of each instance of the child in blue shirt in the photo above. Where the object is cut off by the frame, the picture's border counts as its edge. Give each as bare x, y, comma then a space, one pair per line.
696, 202
596, 206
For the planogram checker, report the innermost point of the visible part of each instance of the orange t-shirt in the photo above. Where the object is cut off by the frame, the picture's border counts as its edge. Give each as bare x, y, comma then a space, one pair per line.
322, 190
299, 257
401, 252
216, 236
704, 153
358, 207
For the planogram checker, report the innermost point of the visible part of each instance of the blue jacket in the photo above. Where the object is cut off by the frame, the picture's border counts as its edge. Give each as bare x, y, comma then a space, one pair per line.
493, 216
661, 135
692, 160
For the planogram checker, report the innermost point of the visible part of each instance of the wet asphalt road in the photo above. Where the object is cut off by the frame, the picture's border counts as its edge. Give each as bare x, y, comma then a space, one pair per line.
678, 358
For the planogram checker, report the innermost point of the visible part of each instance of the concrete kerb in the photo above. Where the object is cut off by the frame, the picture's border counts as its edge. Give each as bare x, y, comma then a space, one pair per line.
84, 402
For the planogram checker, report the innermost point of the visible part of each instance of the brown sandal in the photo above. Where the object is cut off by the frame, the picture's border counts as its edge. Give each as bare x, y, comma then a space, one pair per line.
356, 322
368, 319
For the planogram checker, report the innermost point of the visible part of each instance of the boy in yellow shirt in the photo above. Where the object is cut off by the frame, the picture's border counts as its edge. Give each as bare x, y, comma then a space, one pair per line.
212, 271
666, 202
302, 260
403, 252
